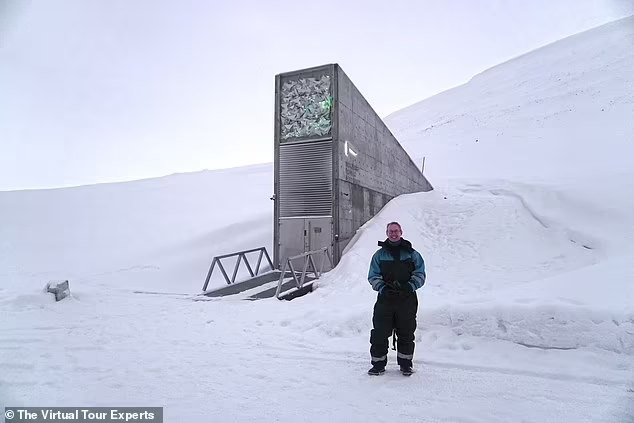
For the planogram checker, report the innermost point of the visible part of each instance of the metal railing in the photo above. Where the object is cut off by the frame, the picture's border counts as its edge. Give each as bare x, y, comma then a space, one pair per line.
241, 255
308, 259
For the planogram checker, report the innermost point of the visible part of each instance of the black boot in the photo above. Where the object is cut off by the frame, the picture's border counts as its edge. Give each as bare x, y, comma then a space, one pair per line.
377, 369
407, 370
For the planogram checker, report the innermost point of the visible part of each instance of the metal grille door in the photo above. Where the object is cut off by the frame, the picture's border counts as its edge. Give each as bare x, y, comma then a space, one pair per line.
306, 179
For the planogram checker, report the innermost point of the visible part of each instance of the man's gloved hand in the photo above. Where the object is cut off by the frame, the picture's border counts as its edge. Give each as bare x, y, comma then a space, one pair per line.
393, 285
405, 287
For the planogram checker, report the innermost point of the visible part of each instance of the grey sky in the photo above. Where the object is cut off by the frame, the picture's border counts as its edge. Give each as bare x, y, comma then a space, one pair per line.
111, 90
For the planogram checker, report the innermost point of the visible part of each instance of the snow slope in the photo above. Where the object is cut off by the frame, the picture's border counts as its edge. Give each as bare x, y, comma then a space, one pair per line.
155, 234
564, 110
527, 315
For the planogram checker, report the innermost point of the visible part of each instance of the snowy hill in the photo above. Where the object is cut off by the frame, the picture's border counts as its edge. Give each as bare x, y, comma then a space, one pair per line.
155, 234
563, 110
527, 315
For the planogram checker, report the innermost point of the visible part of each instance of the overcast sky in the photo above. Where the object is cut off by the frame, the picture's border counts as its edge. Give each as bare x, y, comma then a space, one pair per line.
113, 90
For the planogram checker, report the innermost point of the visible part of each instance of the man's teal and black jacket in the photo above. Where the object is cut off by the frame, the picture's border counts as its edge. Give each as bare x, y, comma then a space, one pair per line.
396, 265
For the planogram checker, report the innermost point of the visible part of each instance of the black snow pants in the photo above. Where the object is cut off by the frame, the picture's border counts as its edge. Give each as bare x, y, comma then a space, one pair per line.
394, 311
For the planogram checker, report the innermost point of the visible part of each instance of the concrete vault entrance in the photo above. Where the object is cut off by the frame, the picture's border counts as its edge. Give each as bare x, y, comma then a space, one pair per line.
336, 163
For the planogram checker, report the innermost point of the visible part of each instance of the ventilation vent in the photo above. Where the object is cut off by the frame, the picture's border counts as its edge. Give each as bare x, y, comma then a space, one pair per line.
306, 179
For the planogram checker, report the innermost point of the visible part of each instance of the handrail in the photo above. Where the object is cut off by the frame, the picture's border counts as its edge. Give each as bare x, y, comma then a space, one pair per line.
241, 255
308, 258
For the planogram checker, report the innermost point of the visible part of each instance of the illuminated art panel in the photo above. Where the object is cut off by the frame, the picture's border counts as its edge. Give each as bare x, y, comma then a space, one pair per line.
306, 105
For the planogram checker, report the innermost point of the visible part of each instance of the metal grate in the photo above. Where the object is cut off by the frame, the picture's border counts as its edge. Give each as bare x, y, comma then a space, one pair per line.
306, 179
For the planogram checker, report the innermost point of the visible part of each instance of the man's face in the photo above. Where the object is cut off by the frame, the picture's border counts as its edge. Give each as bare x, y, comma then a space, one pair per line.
393, 233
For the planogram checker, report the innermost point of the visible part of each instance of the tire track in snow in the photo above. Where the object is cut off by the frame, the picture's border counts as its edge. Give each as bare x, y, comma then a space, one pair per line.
362, 361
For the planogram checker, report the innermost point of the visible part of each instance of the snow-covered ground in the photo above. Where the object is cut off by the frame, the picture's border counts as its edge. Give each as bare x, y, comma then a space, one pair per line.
527, 314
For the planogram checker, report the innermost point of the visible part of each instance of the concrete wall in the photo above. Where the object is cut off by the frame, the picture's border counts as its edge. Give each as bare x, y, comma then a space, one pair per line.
380, 170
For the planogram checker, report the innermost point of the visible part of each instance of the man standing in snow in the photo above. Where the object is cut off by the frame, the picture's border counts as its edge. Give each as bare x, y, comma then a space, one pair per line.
397, 270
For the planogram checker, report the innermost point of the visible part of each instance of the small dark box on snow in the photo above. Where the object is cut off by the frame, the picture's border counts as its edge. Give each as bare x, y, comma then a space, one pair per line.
59, 288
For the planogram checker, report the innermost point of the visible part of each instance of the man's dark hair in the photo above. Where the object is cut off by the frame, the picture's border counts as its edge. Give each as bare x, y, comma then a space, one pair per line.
394, 223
